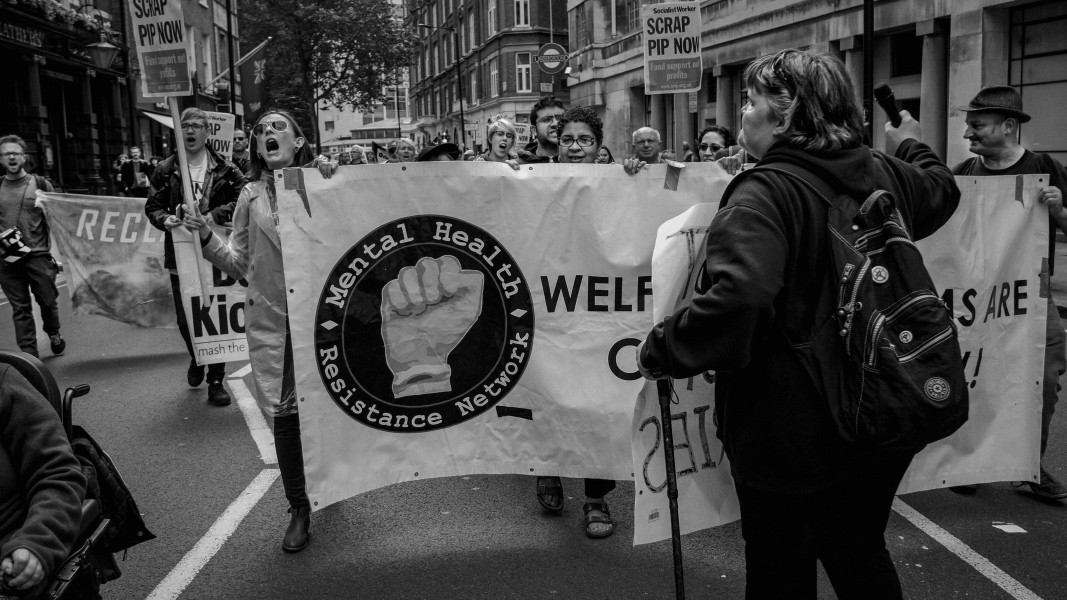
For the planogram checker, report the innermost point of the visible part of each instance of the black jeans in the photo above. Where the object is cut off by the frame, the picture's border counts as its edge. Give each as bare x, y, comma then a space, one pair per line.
36, 273
215, 372
291, 459
843, 527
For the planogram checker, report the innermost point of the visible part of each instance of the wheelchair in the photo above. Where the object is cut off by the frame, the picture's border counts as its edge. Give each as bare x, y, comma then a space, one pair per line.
110, 521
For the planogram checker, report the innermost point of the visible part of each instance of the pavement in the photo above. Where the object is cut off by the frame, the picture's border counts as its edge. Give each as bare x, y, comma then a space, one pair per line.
204, 478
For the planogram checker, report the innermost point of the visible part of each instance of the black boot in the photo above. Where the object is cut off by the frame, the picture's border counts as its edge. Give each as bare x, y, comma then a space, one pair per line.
297, 536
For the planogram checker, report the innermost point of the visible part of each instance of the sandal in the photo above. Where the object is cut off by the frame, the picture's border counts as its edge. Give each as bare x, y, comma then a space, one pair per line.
603, 518
547, 488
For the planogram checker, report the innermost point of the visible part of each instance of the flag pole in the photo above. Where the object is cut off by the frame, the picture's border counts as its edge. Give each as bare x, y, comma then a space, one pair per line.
237, 64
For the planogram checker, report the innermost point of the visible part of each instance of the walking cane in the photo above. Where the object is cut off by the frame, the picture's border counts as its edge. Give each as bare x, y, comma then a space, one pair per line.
664, 387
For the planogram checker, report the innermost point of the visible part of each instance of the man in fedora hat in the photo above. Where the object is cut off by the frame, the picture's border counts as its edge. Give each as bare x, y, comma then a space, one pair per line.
993, 120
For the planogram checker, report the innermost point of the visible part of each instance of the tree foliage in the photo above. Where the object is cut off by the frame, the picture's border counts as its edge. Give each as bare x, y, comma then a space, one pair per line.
327, 52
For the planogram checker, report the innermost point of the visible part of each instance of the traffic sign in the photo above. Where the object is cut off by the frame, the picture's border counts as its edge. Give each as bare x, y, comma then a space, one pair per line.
551, 58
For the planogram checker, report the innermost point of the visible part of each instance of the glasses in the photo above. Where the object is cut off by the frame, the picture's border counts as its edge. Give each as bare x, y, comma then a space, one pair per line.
280, 125
550, 118
11, 154
583, 140
710, 147
192, 127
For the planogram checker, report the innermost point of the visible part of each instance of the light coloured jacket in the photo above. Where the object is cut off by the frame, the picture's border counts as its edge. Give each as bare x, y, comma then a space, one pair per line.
254, 253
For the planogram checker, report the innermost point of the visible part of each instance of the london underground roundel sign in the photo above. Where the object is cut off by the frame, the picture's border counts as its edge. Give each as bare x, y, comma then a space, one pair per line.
551, 58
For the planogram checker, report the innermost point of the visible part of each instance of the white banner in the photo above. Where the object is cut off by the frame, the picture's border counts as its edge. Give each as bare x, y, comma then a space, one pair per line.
216, 316
113, 257
985, 260
452, 319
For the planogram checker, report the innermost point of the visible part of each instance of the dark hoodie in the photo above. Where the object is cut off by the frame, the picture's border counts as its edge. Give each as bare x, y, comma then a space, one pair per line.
767, 261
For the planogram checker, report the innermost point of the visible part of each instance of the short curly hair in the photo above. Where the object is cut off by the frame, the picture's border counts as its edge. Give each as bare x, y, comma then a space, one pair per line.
584, 114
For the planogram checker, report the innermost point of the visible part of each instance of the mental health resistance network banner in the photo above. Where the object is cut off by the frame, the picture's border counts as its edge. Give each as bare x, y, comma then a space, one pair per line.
461, 318
985, 261
112, 256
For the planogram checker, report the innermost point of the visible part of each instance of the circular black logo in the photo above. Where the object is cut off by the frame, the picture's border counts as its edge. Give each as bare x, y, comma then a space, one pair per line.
423, 324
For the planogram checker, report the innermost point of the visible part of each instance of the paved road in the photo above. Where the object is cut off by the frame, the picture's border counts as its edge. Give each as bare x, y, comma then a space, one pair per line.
193, 466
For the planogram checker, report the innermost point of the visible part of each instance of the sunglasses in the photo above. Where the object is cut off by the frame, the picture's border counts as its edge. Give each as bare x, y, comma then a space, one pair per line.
710, 147
280, 125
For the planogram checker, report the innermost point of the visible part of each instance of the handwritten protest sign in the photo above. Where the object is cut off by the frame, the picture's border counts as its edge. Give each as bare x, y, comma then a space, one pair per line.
672, 47
162, 51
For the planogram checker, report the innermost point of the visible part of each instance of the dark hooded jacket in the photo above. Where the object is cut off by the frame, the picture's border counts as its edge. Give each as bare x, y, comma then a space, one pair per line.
222, 186
767, 263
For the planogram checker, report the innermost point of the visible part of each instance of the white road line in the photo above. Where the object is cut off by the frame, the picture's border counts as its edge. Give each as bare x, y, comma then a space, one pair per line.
186, 570
954, 545
240, 373
257, 425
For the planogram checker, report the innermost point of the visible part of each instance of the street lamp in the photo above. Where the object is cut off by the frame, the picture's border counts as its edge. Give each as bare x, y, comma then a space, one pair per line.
459, 75
102, 52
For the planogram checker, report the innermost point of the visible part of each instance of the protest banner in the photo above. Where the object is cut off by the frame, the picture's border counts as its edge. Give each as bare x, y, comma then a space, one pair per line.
672, 47
220, 127
162, 51
985, 262
216, 315
470, 307
113, 257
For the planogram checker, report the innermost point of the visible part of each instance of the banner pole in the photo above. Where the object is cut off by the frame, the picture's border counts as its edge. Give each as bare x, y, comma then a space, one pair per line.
664, 387
187, 193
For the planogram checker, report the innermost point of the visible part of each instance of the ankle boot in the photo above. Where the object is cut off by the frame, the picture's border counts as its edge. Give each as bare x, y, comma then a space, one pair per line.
297, 535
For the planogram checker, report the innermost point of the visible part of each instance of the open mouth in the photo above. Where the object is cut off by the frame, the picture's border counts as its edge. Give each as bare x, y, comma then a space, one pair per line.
271, 144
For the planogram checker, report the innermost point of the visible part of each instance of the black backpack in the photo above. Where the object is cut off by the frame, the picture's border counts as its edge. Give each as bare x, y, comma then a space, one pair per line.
888, 359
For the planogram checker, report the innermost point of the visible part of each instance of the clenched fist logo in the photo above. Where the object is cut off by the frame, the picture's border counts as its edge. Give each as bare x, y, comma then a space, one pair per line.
426, 312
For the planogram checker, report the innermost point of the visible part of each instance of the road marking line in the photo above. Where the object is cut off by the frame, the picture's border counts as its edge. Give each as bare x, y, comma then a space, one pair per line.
257, 425
954, 545
240, 373
190, 565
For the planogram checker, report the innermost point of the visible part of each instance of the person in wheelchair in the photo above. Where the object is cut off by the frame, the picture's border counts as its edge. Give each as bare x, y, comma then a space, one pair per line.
41, 488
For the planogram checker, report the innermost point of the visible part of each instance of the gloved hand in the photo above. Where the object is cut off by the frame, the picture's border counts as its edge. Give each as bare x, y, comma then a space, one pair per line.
426, 311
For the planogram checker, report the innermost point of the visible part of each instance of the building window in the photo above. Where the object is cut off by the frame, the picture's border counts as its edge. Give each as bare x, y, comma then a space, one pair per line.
448, 52
581, 26
329, 126
435, 63
905, 55
492, 17
522, 72
474, 85
633, 14
522, 13
494, 77
472, 30
1038, 69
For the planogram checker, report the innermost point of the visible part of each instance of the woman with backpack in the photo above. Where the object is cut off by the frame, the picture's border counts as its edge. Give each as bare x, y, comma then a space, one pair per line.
806, 493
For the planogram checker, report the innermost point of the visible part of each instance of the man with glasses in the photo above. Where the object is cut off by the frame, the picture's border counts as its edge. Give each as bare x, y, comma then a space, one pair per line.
216, 184
647, 145
26, 262
544, 116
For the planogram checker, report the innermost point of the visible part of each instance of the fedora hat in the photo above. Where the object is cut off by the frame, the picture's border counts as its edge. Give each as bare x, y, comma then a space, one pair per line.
1001, 99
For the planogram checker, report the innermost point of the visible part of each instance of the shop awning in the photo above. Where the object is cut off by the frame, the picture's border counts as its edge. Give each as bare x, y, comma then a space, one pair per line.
163, 120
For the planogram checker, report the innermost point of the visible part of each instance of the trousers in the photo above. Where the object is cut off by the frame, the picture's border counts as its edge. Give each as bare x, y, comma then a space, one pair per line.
36, 273
843, 527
